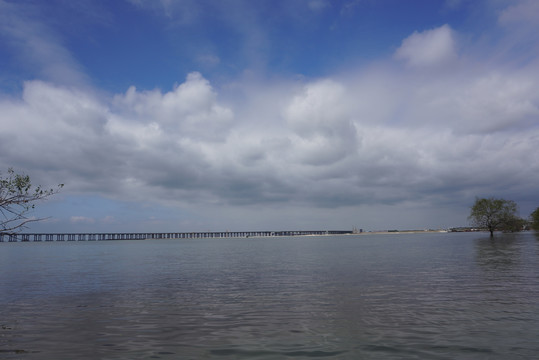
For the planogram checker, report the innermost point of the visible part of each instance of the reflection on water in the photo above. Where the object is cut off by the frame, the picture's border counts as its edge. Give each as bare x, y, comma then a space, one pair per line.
425, 296
502, 252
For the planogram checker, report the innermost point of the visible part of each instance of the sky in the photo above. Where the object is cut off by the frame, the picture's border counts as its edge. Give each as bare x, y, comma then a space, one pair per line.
199, 115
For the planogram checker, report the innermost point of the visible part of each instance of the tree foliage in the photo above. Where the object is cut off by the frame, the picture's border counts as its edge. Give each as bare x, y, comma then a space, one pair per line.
495, 214
534, 219
17, 198
514, 224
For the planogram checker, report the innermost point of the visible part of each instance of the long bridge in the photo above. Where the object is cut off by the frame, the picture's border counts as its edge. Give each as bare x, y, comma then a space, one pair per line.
23, 237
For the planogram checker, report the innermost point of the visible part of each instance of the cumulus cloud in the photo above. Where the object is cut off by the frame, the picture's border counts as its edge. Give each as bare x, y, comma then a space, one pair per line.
428, 48
320, 119
186, 147
189, 110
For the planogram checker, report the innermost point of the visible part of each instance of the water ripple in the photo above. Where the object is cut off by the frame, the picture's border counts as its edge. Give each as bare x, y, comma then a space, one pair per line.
432, 296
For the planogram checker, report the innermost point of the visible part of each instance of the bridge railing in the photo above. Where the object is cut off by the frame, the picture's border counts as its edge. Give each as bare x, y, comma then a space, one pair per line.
37, 237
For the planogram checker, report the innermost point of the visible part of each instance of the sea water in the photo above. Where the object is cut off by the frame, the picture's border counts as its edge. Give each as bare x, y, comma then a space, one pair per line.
392, 296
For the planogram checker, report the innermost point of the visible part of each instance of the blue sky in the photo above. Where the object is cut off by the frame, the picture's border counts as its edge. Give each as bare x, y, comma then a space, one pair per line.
263, 115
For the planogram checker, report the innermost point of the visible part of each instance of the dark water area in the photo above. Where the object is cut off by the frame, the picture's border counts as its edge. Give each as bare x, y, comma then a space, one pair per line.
401, 296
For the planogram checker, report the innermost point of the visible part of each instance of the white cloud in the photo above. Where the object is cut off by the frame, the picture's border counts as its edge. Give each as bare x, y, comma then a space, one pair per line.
320, 119
189, 110
495, 102
428, 48
82, 219
318, 146
321, 107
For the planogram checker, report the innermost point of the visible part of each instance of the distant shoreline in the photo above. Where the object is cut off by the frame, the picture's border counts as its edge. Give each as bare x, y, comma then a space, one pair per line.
60, 237
380, 232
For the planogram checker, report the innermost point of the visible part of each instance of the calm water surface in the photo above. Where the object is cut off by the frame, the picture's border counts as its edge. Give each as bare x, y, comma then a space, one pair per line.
413, 296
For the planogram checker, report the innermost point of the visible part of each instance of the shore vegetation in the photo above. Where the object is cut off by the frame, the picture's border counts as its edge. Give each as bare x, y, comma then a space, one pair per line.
17, 198
494, 214
534, 219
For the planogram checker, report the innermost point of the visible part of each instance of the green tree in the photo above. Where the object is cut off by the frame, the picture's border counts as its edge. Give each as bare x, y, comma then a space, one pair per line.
534, 218
493, 214
513, 224
17, 198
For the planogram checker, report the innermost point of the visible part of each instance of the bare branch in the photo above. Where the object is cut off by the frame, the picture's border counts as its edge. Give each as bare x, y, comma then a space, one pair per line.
17, 198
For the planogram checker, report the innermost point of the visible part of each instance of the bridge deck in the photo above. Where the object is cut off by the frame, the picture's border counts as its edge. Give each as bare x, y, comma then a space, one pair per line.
21, 237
